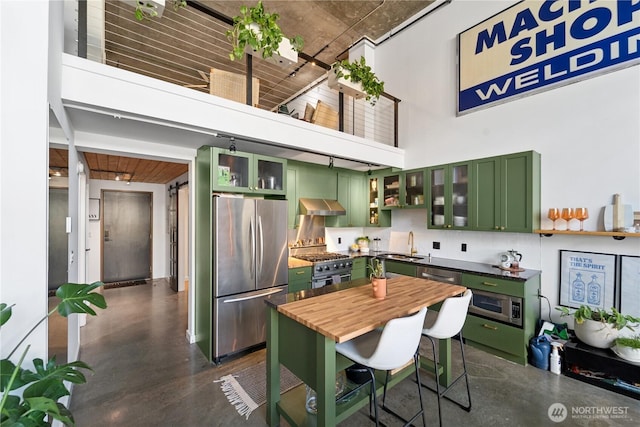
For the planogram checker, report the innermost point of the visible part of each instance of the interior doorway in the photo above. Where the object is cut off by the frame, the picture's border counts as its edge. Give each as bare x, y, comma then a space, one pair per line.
126, 236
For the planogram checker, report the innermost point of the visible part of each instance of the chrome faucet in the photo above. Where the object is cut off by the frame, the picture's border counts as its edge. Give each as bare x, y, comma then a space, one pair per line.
413, 250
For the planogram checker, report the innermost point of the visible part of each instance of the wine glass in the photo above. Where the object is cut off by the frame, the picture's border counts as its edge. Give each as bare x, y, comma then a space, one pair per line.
553, 215
581, 214
567, 215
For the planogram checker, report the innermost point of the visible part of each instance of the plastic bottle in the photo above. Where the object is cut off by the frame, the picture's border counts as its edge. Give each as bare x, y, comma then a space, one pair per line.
555, 363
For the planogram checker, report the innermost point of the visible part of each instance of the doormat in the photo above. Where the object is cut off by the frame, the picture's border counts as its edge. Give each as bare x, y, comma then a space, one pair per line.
124, 284
247, 389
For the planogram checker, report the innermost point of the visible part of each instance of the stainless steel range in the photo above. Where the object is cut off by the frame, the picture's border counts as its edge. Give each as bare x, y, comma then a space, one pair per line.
328, 267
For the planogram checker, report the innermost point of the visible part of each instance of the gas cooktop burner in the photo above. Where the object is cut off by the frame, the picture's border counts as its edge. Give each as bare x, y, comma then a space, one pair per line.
319, 257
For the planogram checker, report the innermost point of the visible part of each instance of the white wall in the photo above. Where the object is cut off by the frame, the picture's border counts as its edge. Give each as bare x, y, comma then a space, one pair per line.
587, 134
159, 263
24, 123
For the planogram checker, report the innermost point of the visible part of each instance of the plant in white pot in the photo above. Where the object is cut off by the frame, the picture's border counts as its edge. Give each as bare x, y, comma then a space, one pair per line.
628, 348
355, 79
257, 32
599, 328
363, 243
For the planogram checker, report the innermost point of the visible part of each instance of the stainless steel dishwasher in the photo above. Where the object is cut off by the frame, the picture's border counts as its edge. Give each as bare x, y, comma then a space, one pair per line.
440, 275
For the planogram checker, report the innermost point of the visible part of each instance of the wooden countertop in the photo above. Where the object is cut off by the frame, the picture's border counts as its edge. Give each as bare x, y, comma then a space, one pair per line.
295, 263
348, 313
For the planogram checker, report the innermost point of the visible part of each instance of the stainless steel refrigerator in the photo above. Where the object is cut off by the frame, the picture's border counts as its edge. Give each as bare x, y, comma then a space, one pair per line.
249, 265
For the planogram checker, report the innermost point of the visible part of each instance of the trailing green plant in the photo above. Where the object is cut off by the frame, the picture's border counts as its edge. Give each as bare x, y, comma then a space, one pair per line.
377, 269
268, 37
359, 71
41, 390
144, 8
614, 317
632, 342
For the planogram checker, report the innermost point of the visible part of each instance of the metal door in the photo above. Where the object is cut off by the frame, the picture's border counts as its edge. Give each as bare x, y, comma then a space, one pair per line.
58, 240
126, 246
173, 237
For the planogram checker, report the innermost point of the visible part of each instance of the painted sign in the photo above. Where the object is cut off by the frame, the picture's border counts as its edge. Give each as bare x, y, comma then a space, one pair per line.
587, 278
537, 45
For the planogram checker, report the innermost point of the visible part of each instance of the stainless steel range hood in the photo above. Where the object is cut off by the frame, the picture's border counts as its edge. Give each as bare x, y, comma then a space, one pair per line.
321, 207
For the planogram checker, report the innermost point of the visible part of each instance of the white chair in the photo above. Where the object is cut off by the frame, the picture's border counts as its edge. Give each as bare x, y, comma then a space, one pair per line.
448, 324
388, 349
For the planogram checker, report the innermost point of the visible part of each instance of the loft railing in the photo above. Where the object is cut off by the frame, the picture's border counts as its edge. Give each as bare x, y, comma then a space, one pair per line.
183, 46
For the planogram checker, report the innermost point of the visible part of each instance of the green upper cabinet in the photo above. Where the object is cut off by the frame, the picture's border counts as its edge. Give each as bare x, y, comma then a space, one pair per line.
449, 201
377, 217
292, 196
239, 172
317, 181
405, 189
506, 193
351, 191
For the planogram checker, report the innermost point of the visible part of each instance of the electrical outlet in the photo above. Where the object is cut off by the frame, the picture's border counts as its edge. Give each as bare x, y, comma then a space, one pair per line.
436, 245
463, 247
339, 240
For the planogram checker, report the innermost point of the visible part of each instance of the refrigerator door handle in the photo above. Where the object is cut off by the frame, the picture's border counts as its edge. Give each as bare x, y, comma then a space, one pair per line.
262, 295
252, 238
261, 248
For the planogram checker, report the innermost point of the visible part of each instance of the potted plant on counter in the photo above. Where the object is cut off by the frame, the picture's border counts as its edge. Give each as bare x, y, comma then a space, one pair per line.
256, 32
597, 327
363, 243
355, 79
378, 279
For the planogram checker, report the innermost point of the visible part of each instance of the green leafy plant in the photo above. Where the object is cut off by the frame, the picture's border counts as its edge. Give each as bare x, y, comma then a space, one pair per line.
359, 71
364, 238
632, 342
145, 8
265, 36
377, 269
615, 318
44, 387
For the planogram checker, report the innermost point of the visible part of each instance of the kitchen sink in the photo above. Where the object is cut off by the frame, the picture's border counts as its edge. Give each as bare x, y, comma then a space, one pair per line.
401, 257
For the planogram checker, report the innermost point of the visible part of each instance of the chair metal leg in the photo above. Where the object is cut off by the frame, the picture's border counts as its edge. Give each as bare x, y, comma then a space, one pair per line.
373, 393
416, 363
442, 393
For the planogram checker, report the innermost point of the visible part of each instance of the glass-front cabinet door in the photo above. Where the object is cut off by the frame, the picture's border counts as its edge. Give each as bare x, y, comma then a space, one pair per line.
449, 196
377, 217
391, 190
414, 189
238, 172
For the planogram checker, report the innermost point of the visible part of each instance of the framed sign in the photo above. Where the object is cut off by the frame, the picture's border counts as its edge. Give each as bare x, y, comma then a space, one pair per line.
587, 278
630, 285
538, 45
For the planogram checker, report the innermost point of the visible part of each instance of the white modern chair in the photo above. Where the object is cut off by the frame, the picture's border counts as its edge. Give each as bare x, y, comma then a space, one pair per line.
448, 324
388, 349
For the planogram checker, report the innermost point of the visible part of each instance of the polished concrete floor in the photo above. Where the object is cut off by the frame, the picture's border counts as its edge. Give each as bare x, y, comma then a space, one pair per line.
146, 374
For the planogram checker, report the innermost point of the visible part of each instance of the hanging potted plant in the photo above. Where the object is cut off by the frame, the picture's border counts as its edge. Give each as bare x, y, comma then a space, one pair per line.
378, 279
153, 8
256, 32
599, 328
355, 79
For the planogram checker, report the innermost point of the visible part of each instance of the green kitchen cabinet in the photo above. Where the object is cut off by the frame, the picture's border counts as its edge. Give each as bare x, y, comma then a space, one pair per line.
238, 172
506, 193
401, 268
505, 340
317, 181
292, 197
299, 279
448, 196
404, 189
351, 191
376, 216
359, 268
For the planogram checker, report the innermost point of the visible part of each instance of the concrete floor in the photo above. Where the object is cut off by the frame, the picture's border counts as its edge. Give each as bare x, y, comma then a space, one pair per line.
146, 374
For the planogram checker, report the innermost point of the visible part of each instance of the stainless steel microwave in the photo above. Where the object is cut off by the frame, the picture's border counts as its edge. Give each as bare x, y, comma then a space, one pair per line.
500, 307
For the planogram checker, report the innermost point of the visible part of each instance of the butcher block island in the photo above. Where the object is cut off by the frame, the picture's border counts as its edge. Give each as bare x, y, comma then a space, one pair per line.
304, 327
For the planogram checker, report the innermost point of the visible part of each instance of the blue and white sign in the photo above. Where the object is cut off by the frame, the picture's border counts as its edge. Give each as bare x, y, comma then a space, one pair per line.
587, 278
537, 45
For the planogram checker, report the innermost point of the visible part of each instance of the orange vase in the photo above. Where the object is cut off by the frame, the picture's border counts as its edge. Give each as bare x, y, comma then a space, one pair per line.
379, 287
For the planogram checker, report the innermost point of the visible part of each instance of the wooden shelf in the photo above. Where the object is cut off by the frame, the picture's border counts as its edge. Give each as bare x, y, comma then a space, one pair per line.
617, 235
